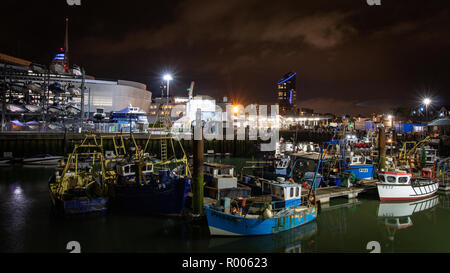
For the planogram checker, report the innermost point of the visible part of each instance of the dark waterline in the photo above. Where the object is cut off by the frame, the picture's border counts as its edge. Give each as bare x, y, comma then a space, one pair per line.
27, 225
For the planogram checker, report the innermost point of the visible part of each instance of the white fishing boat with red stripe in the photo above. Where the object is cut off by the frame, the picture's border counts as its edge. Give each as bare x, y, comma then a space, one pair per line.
402, 186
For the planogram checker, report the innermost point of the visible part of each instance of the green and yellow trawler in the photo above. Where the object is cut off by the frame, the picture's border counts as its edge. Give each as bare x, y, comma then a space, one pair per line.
154, 184
81, 184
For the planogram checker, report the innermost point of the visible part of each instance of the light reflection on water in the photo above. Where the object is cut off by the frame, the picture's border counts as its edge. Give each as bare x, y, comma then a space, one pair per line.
26, 225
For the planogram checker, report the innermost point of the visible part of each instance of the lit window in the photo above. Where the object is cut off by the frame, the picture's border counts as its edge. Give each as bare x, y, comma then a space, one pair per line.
391, 179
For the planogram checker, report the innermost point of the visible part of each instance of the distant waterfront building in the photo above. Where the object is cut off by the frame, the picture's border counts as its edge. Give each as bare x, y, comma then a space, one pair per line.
175, 101
286, 90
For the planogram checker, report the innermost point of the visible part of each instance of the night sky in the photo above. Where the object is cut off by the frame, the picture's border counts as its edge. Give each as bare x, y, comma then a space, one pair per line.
349, 57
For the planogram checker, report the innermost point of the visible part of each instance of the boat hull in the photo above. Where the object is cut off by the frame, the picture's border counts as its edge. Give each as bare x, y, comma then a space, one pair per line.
362, 171
223, 224
390, 192
81, 206
162, 198
54, 160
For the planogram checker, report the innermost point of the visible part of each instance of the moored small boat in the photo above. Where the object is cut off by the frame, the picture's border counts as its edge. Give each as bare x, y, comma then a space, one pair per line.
42, 159
278, 211
401, 186
159, 192
81, 185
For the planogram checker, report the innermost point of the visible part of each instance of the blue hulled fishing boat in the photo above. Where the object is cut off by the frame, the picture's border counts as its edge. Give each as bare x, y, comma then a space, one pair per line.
154, 185
278, 211
161, 192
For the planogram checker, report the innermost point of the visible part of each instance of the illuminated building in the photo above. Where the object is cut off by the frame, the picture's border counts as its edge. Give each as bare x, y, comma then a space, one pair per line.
287, 94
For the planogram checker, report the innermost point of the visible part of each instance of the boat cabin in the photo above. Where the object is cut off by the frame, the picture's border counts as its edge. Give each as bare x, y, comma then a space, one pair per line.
395, 178
281, 165
129, 170
220, 176
430, 155
288, 194
357, 160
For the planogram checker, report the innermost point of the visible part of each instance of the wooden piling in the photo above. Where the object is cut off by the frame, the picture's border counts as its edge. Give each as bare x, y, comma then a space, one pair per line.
197, 185
381, 148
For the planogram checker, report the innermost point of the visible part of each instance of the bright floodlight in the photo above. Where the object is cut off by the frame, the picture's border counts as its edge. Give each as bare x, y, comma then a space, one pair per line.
427, 101
389, 117
167, 77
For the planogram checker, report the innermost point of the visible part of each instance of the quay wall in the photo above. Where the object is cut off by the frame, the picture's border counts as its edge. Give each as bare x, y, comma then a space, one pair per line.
25, 144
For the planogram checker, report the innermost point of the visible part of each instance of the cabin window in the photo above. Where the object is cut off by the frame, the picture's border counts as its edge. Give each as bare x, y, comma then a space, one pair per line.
127, 169
292, 192
391, 179
297, 191
403, 179
382, 178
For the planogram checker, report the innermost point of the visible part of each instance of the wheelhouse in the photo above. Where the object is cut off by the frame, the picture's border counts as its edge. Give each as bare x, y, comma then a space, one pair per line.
395, 178
218, 170
289, 193
130, 169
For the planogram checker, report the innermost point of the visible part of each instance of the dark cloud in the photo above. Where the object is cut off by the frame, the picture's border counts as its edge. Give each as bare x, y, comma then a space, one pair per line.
345, 52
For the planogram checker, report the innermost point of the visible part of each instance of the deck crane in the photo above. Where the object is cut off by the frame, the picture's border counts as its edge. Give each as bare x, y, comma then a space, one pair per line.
404, 155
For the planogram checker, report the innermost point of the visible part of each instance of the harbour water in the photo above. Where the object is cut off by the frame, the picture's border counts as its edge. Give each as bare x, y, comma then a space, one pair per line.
27, 225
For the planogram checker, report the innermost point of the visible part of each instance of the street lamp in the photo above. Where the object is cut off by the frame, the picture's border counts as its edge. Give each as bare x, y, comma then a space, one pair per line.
168, 78
426, 101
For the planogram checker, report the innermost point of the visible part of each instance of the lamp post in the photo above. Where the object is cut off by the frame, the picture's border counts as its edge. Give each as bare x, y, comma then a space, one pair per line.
426, 101
390, 118
167, 78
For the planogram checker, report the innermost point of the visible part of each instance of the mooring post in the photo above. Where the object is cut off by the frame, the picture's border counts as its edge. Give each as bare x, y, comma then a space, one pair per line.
197, 185
381, 148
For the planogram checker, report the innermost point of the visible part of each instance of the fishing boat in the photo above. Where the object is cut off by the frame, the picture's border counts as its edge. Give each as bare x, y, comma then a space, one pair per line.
278, 211
81, 185
157, 190
400, 185
36, 88
42, 159
154, 185
359, 166
33, 108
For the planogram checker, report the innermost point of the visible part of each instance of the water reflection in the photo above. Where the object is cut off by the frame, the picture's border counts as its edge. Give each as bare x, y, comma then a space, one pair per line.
289, 241
444, 200
26, 225
397, 216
